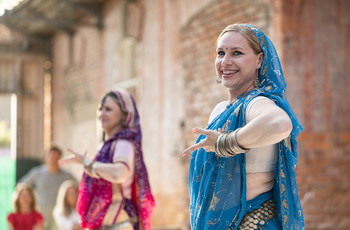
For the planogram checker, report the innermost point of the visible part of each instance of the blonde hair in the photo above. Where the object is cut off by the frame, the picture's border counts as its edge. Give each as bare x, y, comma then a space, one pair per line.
246, 32
19, 188
62, 206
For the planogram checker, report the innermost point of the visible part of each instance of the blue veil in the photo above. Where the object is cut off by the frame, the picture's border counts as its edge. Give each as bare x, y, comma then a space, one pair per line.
217, 186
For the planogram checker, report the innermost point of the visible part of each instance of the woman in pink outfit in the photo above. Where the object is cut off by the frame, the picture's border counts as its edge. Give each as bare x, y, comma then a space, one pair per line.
114, 192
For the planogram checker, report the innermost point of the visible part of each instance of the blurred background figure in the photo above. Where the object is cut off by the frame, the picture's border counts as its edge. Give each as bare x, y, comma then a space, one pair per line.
46, 180
26, 215
114, 192
64, 213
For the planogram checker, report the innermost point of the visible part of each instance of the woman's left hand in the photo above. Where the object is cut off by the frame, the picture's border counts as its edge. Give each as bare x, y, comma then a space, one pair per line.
208, 144
75, 157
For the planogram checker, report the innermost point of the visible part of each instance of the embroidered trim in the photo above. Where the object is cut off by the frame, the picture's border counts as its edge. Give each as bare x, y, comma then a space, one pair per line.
257, 218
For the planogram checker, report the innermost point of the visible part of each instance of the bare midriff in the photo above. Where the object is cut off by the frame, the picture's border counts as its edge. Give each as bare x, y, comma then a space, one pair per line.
259, 183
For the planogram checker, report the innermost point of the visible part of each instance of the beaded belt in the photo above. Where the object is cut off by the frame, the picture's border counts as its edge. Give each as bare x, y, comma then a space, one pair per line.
259, 216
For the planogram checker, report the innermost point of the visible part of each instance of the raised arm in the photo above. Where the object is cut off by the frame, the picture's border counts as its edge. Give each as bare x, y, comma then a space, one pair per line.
266, 124
121, 168
116, 172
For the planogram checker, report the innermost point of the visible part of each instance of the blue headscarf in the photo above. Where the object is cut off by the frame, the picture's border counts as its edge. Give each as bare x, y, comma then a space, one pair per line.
217, 185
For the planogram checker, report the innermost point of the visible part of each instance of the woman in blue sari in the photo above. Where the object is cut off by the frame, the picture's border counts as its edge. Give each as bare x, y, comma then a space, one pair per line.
242, 170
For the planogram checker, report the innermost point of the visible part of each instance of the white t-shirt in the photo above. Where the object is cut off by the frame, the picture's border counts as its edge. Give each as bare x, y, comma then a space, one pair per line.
66, 223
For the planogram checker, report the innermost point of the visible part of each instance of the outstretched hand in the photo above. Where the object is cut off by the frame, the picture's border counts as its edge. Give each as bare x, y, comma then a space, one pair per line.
208, 144
75, 157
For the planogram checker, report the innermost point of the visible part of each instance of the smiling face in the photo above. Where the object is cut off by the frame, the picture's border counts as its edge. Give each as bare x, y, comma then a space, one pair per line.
111, 116
236, 63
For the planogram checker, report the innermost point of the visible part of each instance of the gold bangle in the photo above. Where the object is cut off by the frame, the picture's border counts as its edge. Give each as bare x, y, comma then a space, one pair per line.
217, 146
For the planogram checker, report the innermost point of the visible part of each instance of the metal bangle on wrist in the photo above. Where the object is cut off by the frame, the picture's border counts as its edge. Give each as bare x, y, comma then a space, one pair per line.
90, 167
226, 145
93, 169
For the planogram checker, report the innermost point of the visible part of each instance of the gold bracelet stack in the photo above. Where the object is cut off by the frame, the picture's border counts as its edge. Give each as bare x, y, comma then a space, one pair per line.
226, 145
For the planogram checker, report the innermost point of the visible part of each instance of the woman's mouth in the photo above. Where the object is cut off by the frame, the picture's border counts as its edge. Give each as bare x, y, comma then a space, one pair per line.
228, 73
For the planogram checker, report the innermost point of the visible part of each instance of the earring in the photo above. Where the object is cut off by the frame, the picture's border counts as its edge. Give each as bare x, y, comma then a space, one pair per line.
124, 123
218, 80
256, 82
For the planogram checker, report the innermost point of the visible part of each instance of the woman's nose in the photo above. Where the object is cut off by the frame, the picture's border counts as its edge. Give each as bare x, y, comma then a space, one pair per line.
226, 61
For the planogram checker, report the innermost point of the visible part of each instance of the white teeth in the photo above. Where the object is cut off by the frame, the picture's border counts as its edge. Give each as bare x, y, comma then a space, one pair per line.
228, 72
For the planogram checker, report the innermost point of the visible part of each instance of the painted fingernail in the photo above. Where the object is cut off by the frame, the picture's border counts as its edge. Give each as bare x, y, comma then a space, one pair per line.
194, 130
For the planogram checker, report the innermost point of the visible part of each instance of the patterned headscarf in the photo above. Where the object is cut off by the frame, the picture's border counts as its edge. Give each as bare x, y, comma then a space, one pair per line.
285, 191
95, 195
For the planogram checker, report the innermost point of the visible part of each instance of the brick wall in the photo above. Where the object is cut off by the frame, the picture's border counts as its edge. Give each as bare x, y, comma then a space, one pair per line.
316, 62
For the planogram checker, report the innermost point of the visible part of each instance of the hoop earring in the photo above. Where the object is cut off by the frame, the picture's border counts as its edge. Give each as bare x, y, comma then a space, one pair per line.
218, 81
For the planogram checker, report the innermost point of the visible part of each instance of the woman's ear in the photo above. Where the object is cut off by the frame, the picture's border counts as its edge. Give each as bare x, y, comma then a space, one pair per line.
260, 59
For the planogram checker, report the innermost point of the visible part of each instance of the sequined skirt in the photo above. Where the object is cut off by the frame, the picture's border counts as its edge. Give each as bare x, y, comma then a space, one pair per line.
264, 217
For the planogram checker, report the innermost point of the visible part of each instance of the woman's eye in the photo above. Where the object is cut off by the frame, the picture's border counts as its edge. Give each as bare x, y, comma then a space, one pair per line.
221, 53
237, 53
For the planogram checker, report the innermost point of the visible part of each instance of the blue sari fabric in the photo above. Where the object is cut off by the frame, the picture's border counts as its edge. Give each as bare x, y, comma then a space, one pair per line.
217, 186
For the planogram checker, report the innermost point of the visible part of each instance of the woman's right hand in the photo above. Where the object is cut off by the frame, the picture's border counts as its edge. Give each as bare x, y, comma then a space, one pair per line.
75, 157
208, 144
